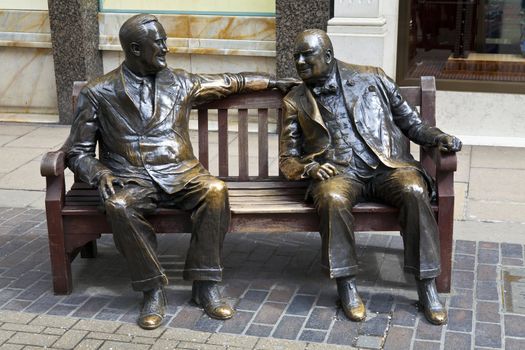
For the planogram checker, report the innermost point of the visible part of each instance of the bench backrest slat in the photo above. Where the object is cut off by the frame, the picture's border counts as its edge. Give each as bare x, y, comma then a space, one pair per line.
204, 154
263, 105
428, 113
242, 136
428, 100
412, 94
223, 142
279, 128
262, 128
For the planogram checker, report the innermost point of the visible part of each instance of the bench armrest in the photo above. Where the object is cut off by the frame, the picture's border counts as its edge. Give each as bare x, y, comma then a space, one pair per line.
53, 163
445, 161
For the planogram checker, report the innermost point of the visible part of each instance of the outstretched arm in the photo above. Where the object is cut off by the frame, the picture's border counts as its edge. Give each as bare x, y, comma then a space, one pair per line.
207, 87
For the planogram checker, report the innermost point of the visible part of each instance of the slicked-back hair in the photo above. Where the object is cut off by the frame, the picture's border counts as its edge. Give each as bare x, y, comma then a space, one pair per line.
134, 29
321, 35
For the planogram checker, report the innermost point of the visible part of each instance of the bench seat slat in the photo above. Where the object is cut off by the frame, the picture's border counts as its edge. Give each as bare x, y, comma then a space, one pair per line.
274, 199
231, 185
257, 192
82, 204
267, 185
244, 207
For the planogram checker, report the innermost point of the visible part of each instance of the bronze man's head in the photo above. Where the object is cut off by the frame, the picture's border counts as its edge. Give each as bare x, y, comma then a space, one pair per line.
143, 40
314, 56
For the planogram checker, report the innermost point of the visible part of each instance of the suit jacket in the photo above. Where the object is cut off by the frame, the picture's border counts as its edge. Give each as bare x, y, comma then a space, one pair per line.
382, 117
157, 148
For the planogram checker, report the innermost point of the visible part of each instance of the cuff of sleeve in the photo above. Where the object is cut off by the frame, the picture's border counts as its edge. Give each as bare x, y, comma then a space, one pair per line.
272, 82
437, 138
307, 169
96, 179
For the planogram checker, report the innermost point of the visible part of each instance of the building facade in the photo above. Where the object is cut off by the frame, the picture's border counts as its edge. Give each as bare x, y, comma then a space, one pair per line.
474, 48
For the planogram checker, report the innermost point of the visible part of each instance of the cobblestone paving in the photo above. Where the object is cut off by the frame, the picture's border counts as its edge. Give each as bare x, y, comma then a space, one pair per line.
275, 283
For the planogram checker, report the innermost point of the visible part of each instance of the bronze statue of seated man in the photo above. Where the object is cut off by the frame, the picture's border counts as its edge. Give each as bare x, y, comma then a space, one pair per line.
345, 128
139, 114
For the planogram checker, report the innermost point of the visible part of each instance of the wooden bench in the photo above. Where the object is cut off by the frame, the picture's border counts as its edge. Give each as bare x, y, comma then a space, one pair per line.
260, 203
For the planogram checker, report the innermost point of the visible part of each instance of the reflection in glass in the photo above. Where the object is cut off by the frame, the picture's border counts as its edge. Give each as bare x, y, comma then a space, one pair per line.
467, 39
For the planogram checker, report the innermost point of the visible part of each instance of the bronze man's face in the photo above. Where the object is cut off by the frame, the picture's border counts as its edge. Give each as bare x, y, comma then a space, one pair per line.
312, 59
153, 48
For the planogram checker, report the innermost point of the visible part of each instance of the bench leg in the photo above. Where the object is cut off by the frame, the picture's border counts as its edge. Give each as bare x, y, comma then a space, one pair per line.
61, 269
89, 250
446, 224
60, 260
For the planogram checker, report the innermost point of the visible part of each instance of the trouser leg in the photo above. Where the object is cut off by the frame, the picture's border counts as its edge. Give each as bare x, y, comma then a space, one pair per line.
134, 236
406, 189
334, 199
207, 197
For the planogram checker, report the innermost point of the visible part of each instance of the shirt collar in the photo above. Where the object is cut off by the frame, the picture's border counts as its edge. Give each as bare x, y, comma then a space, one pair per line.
330, 86
134, 79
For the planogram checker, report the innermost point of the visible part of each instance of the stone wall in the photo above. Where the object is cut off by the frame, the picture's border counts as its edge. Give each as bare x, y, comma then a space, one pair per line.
293, 17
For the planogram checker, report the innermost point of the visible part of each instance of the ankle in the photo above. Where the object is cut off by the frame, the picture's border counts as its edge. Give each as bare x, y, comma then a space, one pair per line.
204, 283
345, 279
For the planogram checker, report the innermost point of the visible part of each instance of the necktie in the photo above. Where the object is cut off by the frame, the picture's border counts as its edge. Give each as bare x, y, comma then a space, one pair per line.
325, 90
146, 105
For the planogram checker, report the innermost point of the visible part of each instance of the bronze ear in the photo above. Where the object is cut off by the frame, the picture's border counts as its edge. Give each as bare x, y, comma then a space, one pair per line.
135, 48
329, 55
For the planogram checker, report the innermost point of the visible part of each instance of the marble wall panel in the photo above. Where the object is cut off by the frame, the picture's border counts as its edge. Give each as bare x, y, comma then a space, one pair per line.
203, 63
215, 35
233, 64
188, 26
23, 4
24, 29
27, 88
112, 59
202, 44
24, 21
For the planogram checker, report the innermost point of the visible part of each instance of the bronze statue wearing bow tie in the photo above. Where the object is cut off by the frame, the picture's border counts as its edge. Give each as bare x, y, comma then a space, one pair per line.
345, 128
139, 115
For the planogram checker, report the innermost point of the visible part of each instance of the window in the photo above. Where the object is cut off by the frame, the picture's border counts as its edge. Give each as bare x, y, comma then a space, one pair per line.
475, 45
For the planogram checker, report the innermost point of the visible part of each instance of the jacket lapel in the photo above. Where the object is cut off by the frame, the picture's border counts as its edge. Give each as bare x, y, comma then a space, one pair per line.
309, 106
123, 104
347, 77
164, 97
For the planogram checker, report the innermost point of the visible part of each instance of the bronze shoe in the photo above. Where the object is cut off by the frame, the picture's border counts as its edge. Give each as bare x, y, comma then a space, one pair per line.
351, 302
153, 309
434, 310
206, 294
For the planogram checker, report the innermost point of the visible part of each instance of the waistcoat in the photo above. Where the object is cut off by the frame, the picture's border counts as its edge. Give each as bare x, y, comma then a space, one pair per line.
347, 148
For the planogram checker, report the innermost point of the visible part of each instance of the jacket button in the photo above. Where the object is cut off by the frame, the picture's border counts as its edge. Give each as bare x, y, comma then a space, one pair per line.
371, 88
350, 82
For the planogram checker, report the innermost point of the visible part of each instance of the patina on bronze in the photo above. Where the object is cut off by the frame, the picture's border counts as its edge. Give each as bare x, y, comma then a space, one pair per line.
139, 115
345, 128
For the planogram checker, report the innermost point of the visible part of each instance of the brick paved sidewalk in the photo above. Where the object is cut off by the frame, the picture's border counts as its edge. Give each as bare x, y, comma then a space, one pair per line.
275, 282
19, 330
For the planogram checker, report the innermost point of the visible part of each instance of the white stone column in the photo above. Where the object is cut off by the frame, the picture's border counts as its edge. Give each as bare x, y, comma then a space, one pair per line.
365, 32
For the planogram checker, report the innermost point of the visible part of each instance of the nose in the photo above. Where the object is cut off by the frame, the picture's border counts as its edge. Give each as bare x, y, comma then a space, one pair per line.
164, 47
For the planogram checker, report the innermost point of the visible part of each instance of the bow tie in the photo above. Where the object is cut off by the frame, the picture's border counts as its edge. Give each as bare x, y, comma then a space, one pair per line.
325, 90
